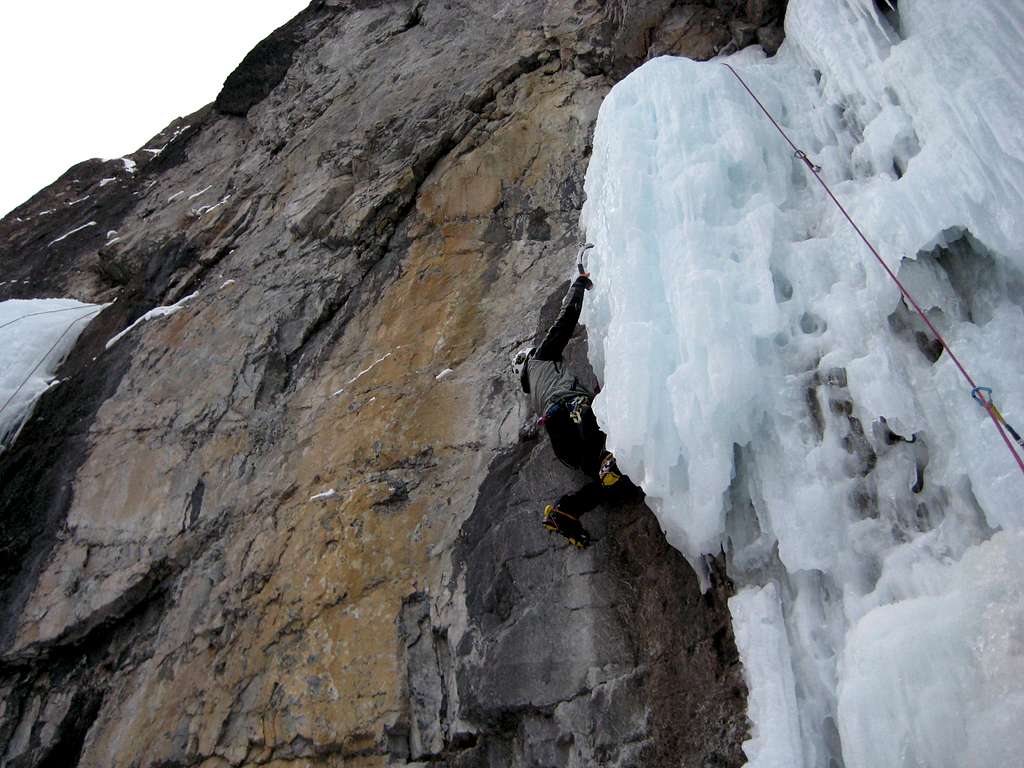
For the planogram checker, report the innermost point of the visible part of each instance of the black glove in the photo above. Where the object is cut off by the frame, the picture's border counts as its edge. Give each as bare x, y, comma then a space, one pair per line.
528, 431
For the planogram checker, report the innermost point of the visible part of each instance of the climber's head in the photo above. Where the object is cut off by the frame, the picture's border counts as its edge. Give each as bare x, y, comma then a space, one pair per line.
519, 360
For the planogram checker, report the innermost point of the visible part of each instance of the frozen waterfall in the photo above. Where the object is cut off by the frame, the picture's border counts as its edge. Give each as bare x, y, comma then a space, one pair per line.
767, 385
35, 337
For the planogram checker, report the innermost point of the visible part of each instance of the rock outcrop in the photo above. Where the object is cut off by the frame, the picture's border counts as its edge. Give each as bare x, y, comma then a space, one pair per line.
295, 523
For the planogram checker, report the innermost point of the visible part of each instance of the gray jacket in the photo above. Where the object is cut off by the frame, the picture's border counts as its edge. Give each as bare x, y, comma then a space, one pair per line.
546, 377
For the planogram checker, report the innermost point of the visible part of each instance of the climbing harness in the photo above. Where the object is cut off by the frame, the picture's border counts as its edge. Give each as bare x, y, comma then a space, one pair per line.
576, 407
981, 395
549, 414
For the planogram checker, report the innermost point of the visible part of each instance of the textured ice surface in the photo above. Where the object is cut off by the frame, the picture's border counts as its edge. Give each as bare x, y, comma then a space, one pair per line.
31, 349
763, 378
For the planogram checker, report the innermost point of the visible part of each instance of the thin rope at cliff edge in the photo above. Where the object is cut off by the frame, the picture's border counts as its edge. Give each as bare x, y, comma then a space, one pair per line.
982, 395
48, 353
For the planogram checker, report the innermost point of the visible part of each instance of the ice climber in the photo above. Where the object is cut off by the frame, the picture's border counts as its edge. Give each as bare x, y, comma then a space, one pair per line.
563, 403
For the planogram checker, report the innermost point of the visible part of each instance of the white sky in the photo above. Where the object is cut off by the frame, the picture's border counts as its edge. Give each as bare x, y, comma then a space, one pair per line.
98, 78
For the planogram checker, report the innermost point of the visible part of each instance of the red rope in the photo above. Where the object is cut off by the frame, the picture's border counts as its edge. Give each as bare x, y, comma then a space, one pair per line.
815, 170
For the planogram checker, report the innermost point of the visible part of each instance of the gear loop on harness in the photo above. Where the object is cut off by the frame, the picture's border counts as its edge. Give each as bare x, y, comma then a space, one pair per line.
576, 406
549, 414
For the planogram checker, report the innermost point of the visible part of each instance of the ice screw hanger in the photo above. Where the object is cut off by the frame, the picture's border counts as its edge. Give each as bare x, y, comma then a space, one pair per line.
981, 394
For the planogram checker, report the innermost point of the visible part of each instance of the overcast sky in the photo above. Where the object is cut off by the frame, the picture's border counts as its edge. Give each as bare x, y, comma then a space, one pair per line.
98, 78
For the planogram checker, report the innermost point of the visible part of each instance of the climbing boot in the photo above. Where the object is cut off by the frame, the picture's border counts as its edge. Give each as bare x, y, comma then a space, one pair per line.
609, 473
566, 525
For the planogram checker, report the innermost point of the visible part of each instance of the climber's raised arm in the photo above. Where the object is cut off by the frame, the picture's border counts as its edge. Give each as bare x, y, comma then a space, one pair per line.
562, 329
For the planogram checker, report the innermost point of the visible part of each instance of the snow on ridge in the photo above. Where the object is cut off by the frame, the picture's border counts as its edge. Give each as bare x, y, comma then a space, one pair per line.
153, 313
69, 234
325, 496
365, 371
204, 209
177, 133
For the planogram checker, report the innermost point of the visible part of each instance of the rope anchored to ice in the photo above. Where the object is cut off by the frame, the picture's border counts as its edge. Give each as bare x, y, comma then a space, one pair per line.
802, 156
982, 395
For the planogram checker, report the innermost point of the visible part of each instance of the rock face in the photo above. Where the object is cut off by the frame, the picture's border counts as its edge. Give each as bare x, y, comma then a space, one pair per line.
266, 530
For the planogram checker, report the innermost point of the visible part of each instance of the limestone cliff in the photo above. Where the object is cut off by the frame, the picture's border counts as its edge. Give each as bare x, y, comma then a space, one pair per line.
267, 530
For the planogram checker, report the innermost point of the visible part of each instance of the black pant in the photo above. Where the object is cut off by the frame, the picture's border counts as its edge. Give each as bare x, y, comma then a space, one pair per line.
581, 446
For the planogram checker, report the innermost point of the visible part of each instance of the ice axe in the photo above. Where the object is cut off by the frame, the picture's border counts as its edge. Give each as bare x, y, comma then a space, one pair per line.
584, 247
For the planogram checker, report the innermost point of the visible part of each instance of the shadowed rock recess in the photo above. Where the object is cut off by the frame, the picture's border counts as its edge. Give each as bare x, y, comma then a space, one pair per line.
266, 530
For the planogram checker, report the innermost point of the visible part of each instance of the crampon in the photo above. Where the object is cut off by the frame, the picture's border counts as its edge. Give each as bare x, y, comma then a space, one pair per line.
566, 525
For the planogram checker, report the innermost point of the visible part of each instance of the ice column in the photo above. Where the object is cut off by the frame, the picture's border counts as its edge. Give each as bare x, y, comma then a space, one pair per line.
766, 384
